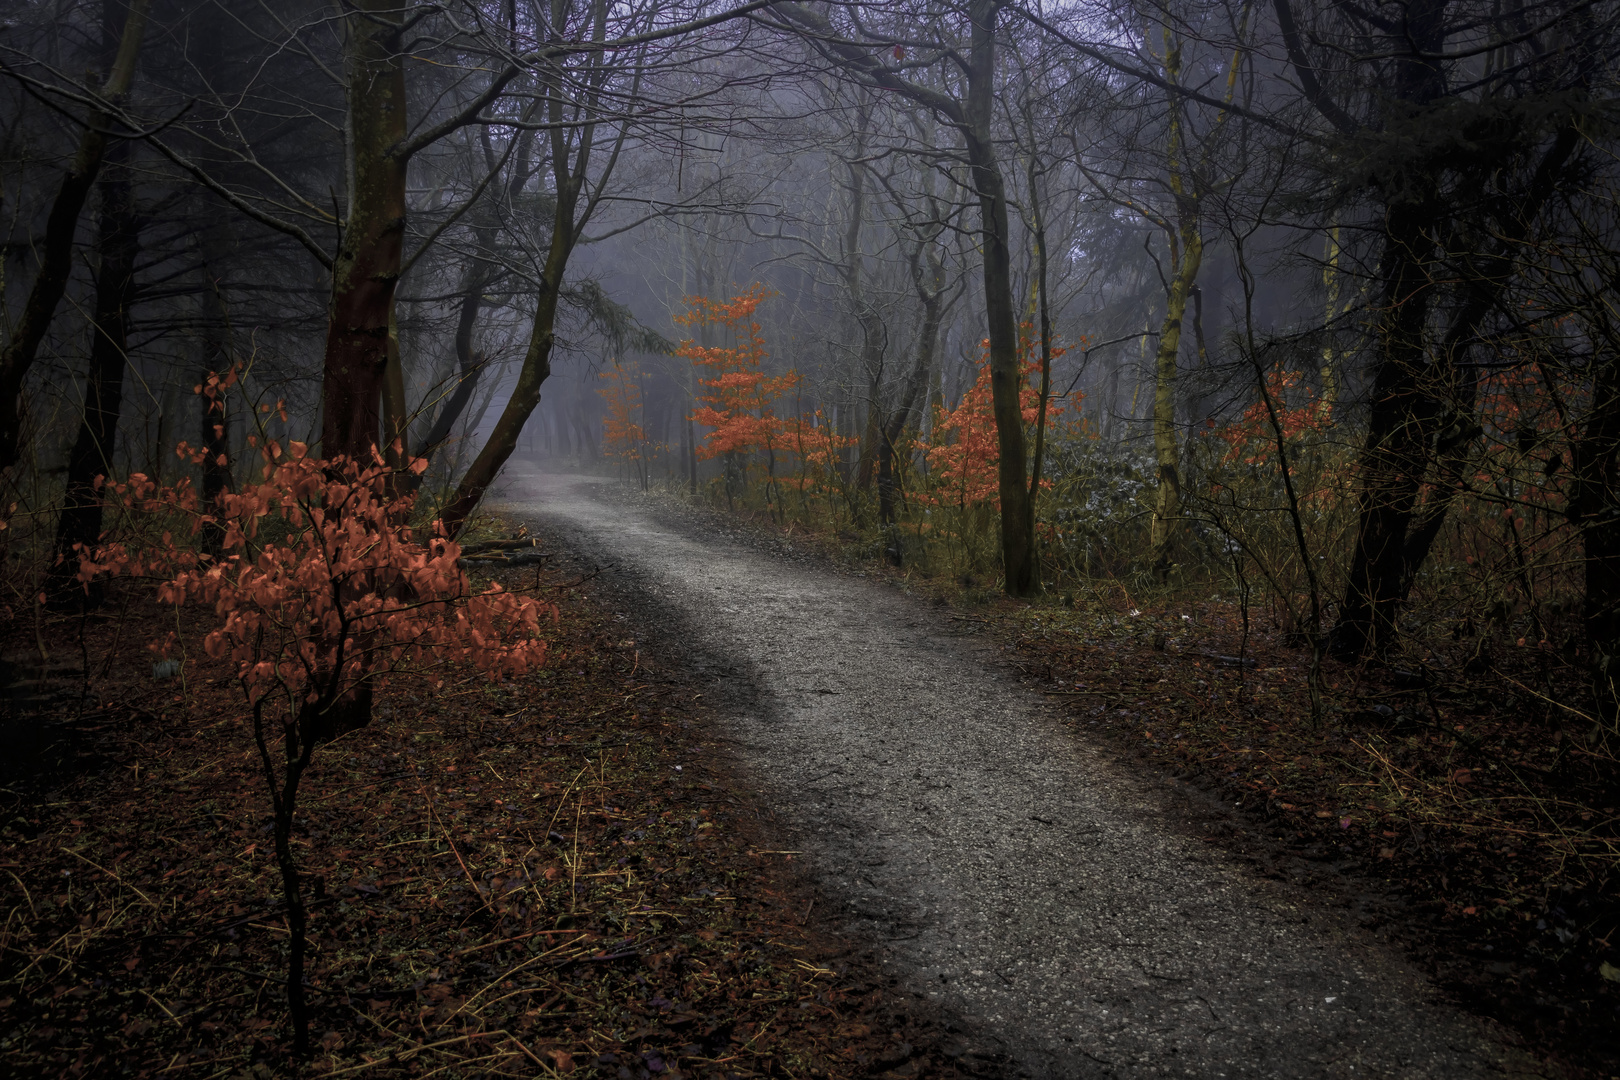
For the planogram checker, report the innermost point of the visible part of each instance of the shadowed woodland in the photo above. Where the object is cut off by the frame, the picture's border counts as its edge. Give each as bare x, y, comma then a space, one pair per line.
1252, 368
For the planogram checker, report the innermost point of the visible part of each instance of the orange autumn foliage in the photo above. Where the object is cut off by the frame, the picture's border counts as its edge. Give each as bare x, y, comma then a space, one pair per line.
818, 447
964, 465
740, 404
1251, 439
338, 597
622, 435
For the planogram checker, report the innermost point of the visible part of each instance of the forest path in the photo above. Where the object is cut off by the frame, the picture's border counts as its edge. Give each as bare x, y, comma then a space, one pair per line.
1003, 868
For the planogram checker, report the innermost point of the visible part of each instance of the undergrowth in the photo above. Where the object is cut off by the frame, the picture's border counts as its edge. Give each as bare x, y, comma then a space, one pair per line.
548, 877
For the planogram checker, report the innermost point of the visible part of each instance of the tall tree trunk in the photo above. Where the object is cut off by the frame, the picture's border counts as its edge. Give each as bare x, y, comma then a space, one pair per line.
1394, 458
63, 222
1395, 455
1020, 571
1423, 414
865, 311
1043, 291
361, 369
844, 422
1166, 447
481, 271
974, 118
469, 364
913, 393
1186, 258
92, 454
367, 267
587, 432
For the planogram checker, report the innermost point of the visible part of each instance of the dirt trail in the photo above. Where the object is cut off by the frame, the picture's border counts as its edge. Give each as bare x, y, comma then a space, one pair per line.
1004, 869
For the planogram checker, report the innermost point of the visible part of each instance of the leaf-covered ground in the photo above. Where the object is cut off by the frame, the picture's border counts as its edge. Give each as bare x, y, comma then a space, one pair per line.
1459, 812
561, 875
550, 877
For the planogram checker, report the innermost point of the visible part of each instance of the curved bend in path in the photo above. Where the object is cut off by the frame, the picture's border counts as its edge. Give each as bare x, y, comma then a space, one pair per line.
1005, 869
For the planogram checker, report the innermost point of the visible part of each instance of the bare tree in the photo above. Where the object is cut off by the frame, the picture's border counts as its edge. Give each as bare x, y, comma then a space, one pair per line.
99, 120
971, 116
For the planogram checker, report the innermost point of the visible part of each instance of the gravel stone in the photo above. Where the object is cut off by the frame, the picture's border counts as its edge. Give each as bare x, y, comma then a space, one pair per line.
1003, 868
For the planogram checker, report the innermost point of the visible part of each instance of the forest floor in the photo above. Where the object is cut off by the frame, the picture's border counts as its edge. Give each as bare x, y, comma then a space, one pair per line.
1014, 862
1445, 804
1458, 814
560, 875
634, 864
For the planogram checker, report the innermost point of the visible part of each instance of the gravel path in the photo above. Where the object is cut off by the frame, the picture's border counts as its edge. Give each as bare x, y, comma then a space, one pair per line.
1005, 869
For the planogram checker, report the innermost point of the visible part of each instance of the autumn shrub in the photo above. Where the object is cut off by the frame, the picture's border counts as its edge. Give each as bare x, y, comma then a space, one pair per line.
820, 483
1095, 496
1257, 485
319, 591
955, 502
1508, 562
960, 498
739, 400
624, 432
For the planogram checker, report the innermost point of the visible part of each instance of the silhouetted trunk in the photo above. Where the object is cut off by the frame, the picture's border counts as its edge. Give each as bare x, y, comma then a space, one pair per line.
874, 333
844, 417
1166, 447
587, 432
930, 287
480, 272
1395, 456
92, 454
1019, 569
1487, 275
57, 246
912, 395
973, 117
297, 751
468, 363
361, 370
1423, 414
535, 371
867, 317
1043, 292
367, 267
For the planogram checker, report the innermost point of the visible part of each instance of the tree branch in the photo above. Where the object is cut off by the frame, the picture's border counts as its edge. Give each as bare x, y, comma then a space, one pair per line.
521, 64
1314, 93
1149, 77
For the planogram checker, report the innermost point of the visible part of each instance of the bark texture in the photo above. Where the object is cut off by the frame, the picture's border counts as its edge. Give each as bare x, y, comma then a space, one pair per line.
366, 270
1021, 573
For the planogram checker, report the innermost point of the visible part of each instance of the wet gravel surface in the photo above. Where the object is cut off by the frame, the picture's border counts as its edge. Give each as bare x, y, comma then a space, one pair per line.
1005, 870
